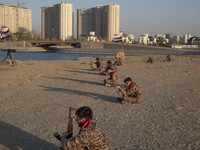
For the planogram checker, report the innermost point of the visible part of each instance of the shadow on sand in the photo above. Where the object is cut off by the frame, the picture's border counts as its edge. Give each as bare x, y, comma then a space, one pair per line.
82, 93
14, 138
75, 71
78, 69
80, 81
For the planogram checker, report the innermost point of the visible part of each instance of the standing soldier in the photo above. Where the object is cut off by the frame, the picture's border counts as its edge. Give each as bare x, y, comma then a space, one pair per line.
112, 81
89, 137
133, 92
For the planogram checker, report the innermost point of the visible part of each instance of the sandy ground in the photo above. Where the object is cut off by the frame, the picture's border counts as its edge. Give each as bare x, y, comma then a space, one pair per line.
35, 97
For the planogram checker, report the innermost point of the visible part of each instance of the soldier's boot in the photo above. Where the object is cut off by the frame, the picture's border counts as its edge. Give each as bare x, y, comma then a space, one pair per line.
107, 85
105, 81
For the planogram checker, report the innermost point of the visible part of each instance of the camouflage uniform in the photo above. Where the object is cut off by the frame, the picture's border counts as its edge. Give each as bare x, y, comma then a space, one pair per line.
150, 60
168, 58
113, 67
98, 64
118, 62
112, 81
89, 138
134, 94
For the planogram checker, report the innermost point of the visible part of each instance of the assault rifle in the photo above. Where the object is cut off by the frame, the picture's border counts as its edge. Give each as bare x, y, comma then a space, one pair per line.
91, 64
121, 89
69, 128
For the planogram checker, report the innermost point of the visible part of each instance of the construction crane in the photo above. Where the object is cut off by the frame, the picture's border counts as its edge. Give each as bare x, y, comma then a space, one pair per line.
17, 3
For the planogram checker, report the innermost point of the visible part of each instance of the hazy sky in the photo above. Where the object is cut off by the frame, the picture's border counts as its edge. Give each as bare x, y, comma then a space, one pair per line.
136, 16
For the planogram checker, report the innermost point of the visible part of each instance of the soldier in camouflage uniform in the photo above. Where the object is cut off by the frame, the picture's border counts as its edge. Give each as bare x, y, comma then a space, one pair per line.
133, 92
168, 59
89, 137
98, 64
112, 81
109, 65
150, 60
118, 62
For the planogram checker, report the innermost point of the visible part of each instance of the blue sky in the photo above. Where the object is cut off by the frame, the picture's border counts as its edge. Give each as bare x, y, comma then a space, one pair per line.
137, 16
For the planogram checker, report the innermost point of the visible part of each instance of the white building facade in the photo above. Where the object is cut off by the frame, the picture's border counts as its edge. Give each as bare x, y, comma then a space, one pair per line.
16, 19
144, 39
103, 20
57, 21
186, 37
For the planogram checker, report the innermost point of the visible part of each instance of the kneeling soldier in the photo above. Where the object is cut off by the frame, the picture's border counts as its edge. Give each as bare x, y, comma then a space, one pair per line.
168, 58
118, 62
150, 60
89, 137
98, 64
109, 65
112, 81
133, 92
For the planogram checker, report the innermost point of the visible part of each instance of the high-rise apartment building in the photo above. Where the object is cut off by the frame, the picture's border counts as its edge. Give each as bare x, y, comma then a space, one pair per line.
186, 37
16, 19
176, 38
167, 36
57, 21
103, 20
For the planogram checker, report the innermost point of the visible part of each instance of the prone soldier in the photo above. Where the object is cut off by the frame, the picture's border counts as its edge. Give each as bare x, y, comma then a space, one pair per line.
131, 92
112, 80
89, 137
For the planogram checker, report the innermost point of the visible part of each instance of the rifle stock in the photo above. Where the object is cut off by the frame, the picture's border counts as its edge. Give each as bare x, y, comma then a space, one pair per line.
69, 127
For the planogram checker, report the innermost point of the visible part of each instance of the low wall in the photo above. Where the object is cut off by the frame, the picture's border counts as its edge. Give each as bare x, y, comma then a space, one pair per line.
14, 44
20, 46
116, 46
92, 45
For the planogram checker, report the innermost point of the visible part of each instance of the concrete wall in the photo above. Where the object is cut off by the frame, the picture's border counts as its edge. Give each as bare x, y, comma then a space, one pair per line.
92, 45
105, 45
185, 46
13, 44
20, 46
